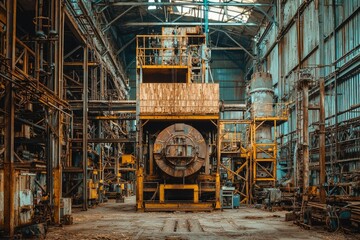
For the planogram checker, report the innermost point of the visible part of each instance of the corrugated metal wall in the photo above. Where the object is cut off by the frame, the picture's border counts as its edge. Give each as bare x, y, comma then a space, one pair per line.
282, 61
297, 37
226, 71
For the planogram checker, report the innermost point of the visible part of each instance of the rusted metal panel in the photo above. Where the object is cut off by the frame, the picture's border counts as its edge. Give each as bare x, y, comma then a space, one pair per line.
290, 51
24, 209
290, 9
348, 96
25, 206
273, 64
179, 98
310, 29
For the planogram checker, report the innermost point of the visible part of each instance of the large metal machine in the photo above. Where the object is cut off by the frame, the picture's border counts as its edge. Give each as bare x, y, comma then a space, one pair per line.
179, 151
177, 123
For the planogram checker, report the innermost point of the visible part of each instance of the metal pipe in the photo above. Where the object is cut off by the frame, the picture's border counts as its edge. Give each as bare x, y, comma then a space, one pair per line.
206, 21
226, 107
322, 153
85, 124
49, 155
305, 143
9, 170
335, 83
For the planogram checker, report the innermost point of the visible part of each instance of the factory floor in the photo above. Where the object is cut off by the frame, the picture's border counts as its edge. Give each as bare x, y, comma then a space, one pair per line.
120, 221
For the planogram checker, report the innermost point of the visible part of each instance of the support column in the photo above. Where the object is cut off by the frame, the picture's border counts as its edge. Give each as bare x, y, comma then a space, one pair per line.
9, 168
218, 162
305, 145
322, 153
58, 27
139, 188
85, 123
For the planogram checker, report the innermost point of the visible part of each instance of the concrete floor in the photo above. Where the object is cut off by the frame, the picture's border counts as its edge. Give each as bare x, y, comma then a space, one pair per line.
120, 221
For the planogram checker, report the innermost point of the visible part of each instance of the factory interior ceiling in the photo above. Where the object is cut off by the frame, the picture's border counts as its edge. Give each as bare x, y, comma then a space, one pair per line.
240, 116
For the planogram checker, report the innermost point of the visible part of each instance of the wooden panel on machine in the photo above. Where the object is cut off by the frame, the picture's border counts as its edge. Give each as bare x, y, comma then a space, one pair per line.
179, 99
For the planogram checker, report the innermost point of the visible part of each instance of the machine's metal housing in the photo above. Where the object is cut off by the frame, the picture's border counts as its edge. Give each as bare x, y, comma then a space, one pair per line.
177, 116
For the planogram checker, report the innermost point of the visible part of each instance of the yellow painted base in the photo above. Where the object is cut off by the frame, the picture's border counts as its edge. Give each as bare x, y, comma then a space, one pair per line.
170, 207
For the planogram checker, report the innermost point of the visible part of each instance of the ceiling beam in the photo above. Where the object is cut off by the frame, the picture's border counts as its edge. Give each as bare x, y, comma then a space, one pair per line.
115, 19
266, 14
180, 24
125, 46
237, 43
215, 4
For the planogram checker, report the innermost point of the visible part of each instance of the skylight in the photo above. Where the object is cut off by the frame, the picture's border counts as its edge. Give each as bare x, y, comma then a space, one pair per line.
216, 13
152, 7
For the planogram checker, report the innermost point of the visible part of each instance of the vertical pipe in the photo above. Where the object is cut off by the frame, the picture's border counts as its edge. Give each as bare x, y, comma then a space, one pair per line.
57, 24
40, 43
275, 153
207, 157
50, 46
151, 157
117, 166
207, 43
322, 100
102, 82
85, 122
49, 153
218, 161
206, 21
322, 142
335, 82
139, 168
9, 171
305, 144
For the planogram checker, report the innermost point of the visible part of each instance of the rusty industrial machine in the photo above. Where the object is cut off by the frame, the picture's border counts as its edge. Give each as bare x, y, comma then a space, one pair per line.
177, 123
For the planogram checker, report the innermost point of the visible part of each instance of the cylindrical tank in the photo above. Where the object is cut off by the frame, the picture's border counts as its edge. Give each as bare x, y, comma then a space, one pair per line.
261, 94
179, 150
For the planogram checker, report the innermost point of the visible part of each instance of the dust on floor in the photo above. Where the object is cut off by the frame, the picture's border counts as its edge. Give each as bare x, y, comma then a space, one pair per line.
120, 221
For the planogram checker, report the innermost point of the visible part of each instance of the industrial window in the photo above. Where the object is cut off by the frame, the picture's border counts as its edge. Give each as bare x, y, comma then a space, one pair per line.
216, 13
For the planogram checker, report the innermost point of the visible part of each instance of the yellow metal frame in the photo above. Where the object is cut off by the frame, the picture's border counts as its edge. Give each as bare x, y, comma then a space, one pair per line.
258, 148
127, 159
268, 149
179, 117
245, 154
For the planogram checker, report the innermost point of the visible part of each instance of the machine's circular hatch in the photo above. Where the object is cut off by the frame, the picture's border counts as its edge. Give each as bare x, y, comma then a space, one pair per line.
179, 150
